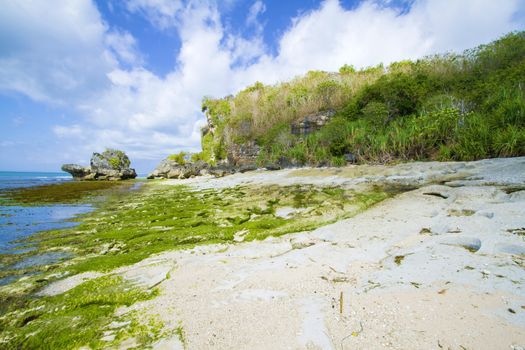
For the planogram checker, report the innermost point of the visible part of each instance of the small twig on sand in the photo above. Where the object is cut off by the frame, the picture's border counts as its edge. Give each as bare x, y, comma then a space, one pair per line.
341, 303
353, 334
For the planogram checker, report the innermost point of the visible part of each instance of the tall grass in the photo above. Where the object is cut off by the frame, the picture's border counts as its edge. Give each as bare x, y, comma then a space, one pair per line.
443, 107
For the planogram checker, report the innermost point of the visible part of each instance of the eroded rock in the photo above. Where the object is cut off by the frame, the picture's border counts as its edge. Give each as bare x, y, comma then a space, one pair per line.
171, 169
109, 165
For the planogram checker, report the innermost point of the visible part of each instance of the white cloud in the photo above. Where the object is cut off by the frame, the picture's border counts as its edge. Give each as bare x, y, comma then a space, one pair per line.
162, 13
73, 131
52, 51
256, 9
74, 58
372, 33
124, 46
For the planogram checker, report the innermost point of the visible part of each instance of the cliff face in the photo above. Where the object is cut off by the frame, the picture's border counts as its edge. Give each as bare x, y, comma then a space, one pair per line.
244, 149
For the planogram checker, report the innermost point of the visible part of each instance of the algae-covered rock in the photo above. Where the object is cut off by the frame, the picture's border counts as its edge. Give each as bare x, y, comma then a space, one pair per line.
109, 159
109, 165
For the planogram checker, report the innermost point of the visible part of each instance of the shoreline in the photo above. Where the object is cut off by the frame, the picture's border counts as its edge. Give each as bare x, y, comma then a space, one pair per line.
428, 244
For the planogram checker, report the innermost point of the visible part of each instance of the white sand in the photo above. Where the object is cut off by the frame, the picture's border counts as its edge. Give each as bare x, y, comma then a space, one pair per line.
268, 295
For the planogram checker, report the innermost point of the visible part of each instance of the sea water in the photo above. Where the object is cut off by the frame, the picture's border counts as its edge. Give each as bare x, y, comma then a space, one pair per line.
18, 222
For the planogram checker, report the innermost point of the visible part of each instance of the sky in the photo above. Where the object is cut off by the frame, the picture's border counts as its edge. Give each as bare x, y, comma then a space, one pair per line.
77, 76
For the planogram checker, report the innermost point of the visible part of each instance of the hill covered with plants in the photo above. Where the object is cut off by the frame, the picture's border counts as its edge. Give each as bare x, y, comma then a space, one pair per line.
445, 107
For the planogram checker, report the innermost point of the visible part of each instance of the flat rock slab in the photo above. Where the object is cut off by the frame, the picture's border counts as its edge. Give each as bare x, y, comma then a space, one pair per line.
63, 285
513, 249
469, 243
149, 276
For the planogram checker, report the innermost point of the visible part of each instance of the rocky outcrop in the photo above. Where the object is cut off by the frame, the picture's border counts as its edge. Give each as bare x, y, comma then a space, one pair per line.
243, 155
311, 123
222, 170
108, 165
77, 171
172, 169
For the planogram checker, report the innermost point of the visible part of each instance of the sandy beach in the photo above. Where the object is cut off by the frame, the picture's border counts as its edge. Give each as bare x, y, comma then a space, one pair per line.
440, 266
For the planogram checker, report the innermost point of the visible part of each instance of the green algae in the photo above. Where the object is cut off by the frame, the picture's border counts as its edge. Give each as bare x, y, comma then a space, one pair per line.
79, 317
461, 212
181, 334
64, 193
131, 226
170, 217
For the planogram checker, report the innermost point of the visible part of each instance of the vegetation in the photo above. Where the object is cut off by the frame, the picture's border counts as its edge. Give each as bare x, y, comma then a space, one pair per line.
129, 228
116, 158
180, 157
443, 107
65, 193
77, 318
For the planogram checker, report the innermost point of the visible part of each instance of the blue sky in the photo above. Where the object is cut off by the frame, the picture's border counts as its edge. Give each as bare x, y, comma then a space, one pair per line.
77, 76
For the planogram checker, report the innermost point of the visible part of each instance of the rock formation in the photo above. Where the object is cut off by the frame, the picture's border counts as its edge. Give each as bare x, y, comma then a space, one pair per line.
311, 123
232, 157
172, 169
108, 165
243, 155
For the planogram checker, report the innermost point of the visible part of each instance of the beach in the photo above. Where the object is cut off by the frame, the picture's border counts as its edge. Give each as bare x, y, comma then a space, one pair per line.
434, 259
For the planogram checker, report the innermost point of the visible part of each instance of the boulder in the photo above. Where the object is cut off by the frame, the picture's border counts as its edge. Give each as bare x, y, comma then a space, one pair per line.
193, 169
272, 166
247, 167
222, 170
171, 169
110, 159
108, 165
350, 158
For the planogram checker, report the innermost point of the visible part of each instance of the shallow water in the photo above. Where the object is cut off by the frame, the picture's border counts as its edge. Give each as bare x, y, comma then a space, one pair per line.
41, 259
17, 222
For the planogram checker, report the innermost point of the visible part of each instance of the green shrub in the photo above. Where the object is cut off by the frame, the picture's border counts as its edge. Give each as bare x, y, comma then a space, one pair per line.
114, 162
338, 161
178, 157
473, 138
510, 141
335, 136
195, 157
376, 112
347, 69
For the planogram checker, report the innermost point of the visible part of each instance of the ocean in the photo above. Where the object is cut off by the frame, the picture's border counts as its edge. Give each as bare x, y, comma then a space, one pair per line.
12, 179
17, 222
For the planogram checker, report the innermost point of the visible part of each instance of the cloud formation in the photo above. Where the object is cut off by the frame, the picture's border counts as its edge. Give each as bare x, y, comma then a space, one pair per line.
76, 59
52, 54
